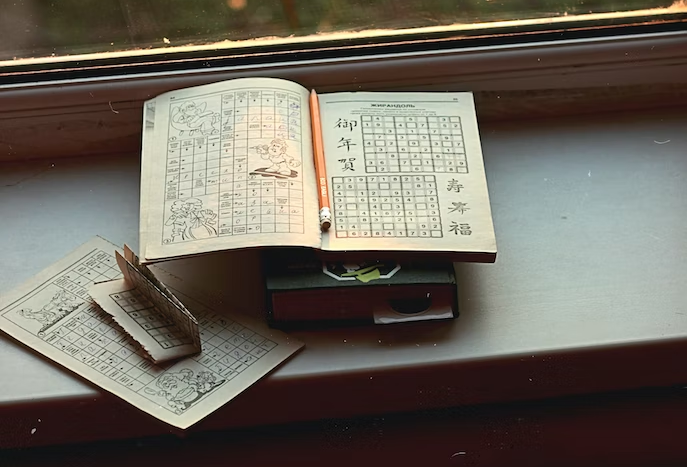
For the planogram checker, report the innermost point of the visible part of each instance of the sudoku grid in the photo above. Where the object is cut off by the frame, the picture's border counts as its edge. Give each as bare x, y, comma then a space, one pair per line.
374, 206
413, 144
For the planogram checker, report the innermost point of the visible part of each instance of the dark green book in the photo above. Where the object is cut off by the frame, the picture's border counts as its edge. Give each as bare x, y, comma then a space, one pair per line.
303, 288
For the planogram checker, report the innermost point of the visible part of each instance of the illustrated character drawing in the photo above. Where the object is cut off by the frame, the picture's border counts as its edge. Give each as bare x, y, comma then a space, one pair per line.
182, 389
61, 304
193, 118
43, 317
276, 153
190, 221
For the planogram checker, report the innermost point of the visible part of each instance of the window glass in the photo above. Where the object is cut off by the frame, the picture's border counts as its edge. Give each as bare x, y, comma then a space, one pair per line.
43, 28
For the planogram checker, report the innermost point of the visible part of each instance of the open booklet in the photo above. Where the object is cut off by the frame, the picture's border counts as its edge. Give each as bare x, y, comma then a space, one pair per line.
230, 165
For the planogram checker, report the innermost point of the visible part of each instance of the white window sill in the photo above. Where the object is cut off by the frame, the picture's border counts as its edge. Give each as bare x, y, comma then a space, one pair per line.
587, 293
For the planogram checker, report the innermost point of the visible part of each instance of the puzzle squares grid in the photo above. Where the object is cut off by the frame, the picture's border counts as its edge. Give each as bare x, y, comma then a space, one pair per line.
97, 267
228, 348
89, 336
413, 144
139, 308
386, 206
214, 168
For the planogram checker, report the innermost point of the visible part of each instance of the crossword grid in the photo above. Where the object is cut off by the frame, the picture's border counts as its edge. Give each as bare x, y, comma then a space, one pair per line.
386, 206
413, 144
228, 347
141, 310
90, 337
274, 205
214, 168
96, 267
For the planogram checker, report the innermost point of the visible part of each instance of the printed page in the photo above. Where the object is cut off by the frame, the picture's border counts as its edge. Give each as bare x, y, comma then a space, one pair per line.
53, 314
147, 311
230, 166
406, 173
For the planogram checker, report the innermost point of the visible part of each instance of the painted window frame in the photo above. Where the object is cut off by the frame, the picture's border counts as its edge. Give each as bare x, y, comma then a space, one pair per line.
91, 115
